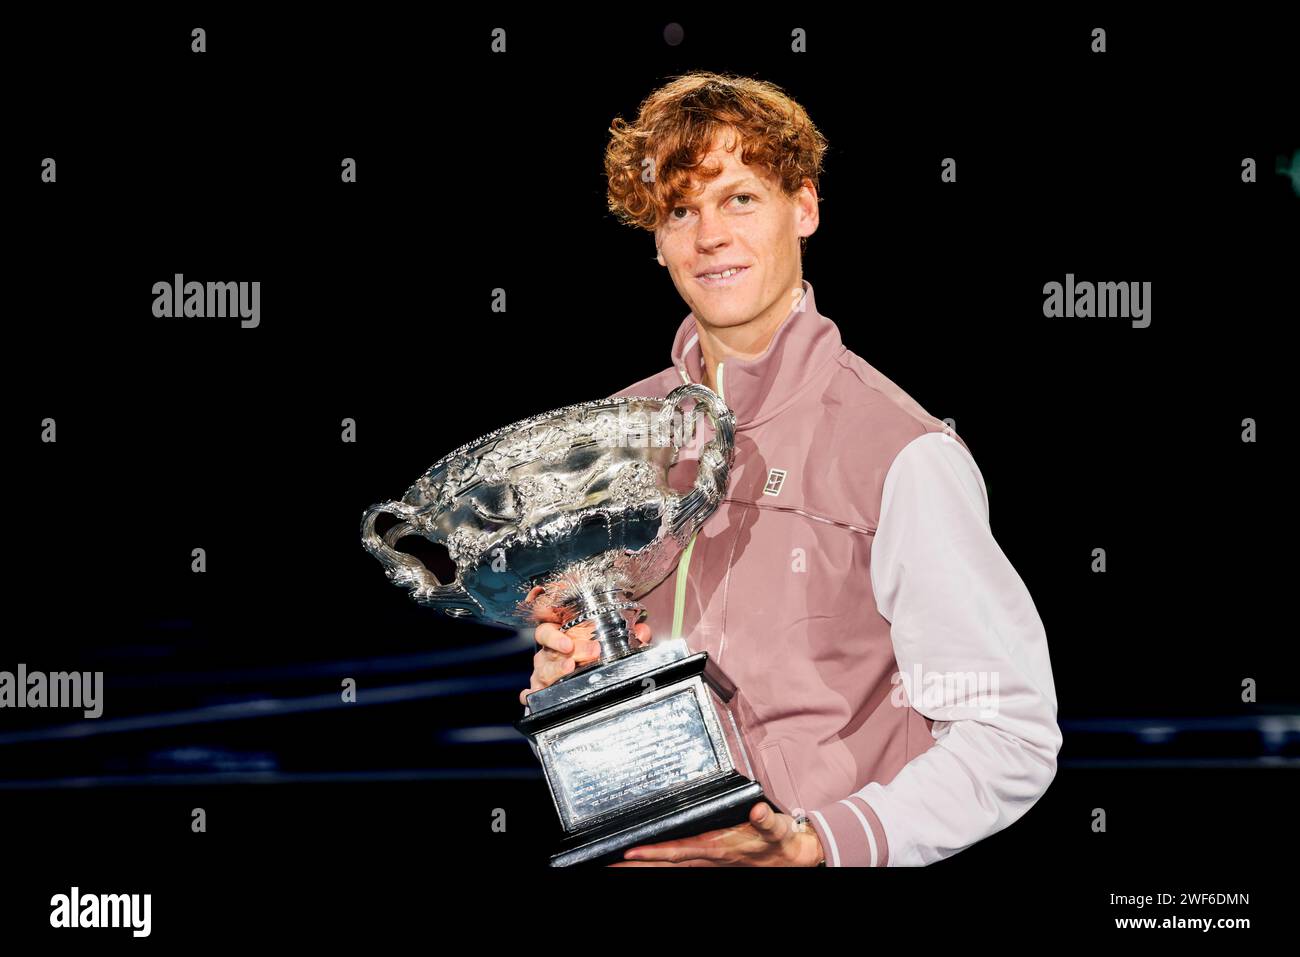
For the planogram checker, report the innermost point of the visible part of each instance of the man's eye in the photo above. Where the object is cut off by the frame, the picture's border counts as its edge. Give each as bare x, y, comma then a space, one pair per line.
683, 209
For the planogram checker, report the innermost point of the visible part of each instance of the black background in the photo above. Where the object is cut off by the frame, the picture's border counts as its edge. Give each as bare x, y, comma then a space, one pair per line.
478, 171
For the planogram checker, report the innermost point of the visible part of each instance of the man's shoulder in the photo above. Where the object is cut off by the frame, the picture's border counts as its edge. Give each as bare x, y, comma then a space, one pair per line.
872, 406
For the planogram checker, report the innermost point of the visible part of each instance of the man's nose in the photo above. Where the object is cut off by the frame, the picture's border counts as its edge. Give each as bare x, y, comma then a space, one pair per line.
711, 233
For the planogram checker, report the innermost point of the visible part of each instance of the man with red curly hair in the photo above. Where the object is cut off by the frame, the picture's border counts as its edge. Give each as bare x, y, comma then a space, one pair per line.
893, 671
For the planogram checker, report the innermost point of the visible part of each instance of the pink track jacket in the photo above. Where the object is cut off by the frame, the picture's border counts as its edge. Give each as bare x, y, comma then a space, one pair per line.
894, 676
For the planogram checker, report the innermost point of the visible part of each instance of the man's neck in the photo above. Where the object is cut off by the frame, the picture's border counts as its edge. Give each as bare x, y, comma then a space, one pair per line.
746, 341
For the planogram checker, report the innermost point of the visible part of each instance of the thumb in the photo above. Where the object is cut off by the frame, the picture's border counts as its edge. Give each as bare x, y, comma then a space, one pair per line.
764, 819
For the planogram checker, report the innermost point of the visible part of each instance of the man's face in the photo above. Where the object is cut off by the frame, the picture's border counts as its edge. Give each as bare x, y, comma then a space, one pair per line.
741, 218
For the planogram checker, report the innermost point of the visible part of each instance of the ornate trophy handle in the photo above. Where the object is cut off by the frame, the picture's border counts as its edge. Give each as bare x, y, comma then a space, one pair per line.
404, 569
690, 510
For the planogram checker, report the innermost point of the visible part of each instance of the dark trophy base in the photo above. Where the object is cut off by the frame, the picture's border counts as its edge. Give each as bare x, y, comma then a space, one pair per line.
723, 802
661, 701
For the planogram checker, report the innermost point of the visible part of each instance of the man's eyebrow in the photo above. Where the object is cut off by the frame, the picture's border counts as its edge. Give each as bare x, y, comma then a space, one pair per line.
749, 181
743, 181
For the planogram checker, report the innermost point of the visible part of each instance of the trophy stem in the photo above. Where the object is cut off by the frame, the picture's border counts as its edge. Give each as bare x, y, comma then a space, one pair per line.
614, 634
612, 628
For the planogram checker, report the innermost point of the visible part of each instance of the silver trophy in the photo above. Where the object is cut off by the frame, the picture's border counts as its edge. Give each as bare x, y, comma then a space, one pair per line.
643, 744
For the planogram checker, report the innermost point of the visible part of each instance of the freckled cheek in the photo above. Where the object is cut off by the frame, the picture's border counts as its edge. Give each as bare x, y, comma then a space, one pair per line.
763, 237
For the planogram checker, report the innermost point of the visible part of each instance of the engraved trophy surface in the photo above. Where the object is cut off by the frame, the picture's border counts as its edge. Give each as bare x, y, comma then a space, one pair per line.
643, 744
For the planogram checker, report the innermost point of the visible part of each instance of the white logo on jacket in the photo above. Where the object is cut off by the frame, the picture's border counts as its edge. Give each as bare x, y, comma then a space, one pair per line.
775, 479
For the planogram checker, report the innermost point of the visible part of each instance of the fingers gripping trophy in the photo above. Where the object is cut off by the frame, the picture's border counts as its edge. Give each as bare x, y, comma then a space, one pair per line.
568, 516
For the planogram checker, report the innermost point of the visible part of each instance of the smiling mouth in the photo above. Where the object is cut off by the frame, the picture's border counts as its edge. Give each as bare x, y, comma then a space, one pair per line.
731, 280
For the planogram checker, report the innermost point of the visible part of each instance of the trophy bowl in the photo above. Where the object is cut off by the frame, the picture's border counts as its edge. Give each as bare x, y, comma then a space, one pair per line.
575, 501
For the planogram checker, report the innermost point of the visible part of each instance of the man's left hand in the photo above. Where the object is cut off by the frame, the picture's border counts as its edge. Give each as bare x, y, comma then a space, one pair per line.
768, 839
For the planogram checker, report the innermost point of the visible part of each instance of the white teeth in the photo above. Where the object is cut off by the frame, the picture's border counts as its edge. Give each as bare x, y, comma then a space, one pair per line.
722, 275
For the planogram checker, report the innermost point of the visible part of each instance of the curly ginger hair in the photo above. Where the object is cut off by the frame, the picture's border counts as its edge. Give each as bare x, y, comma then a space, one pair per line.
651, 164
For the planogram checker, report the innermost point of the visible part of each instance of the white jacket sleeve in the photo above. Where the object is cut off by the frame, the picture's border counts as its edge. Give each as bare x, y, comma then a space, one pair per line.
972, 655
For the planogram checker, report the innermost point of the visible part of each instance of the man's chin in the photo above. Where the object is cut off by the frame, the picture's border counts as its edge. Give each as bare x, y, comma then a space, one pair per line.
724, 315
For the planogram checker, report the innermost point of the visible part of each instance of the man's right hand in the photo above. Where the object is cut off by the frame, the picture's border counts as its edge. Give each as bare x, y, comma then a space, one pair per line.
559, 652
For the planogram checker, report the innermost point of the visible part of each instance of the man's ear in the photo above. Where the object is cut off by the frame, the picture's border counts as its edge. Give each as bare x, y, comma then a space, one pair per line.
809, 208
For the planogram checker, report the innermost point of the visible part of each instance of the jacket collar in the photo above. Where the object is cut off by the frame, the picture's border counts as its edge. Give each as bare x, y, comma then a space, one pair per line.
757, 389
